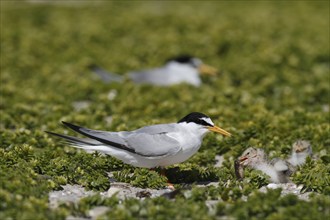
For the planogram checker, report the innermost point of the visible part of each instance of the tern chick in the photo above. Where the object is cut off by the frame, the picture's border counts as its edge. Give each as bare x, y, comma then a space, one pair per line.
182, 69
151, 146
255, 158
301, 149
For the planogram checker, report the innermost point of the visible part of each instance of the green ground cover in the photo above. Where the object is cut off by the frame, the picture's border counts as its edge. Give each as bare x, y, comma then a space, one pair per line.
273, 88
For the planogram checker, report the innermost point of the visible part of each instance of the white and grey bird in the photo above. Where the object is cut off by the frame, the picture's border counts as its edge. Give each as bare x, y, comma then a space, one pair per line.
301, 149
182, 69
256, 159
151, 146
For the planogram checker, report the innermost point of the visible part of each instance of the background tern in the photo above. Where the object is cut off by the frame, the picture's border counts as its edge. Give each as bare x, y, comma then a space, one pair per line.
151, 146
182, 69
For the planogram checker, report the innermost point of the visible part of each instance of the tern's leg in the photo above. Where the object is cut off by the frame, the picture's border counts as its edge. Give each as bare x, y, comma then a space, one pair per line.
169, 185
162, 173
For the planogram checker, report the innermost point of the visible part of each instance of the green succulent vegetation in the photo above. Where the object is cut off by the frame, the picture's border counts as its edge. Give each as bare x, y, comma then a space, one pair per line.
273, 88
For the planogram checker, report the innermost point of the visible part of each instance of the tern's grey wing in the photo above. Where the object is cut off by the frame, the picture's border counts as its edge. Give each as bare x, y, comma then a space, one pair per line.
153, 145
108, 138
157, 129
144, 144
159, 76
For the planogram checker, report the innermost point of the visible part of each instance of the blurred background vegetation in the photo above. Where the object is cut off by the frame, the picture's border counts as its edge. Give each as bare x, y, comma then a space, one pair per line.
273, 88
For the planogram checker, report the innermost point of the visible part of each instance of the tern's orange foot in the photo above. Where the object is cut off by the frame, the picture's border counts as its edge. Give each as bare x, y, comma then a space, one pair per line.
170, 186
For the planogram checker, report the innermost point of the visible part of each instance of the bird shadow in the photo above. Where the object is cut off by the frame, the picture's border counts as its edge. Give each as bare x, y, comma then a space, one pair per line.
177, 176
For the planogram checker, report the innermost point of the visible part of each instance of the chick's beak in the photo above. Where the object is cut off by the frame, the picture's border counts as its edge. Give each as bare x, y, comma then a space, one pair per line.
219, 130
298, 150
242, 159
207, 70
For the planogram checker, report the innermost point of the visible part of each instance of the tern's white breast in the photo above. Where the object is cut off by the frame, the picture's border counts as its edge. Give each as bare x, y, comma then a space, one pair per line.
179, 73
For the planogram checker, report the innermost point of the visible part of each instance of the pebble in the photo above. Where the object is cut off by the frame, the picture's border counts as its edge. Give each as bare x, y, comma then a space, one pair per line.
97, 211
73, 193
70, 193
219, 160
80, 105
287, 188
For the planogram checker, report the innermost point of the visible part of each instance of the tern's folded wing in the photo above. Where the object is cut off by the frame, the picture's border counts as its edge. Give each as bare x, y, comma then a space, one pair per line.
157, 129
144, 144
153, 145
159, 76
108, 138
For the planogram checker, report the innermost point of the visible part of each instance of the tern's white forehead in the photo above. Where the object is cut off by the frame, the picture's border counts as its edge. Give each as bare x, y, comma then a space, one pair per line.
208, 120
196, 62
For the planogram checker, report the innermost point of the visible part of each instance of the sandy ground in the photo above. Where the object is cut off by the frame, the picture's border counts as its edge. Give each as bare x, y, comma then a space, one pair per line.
73, 193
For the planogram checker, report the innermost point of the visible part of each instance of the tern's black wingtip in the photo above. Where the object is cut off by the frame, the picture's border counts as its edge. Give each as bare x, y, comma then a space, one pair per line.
72, 126
66, 123
52, 133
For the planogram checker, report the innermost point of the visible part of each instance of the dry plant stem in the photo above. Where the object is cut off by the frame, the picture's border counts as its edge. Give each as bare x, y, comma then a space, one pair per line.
238, 170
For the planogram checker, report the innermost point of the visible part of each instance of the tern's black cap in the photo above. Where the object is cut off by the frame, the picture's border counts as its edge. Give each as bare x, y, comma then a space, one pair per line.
181, 59
196, 117
187, 60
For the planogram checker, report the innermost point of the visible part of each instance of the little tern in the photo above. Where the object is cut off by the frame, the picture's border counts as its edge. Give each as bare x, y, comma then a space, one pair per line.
151, 146
182, 69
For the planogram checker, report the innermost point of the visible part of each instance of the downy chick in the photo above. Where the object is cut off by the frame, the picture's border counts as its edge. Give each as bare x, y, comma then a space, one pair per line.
301, 149
256, 159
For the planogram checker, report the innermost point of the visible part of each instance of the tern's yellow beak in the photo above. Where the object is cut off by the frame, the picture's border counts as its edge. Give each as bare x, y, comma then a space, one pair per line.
219, 130
207, 70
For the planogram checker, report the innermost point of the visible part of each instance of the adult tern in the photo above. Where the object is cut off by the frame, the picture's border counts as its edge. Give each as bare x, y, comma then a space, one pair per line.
151, 146
182, 69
